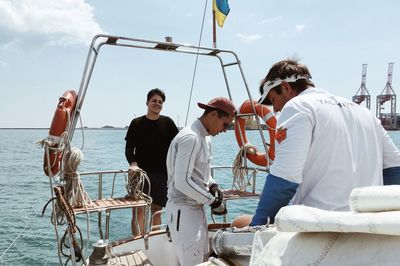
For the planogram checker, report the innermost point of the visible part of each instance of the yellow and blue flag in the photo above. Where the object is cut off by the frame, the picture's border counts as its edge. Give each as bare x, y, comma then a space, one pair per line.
221, 9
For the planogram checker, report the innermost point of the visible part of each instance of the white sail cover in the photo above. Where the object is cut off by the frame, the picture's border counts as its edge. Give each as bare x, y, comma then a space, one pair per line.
375, 199
299, 218
369, 235
328, 249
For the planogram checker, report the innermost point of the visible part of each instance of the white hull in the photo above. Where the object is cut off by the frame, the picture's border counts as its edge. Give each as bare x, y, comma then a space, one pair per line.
157, 249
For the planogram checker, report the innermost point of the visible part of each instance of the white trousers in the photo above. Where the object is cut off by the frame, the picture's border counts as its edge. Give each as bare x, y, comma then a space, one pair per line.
189, 234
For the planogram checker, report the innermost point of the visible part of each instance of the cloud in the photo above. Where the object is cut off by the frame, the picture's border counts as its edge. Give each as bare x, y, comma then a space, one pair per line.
9, 45
271, 20
3, 64
300, 28
56, 22
249, 38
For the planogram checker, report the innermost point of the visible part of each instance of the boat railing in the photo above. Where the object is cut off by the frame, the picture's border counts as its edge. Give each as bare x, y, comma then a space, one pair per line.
157, 226
241, 191
112, 202
101, 174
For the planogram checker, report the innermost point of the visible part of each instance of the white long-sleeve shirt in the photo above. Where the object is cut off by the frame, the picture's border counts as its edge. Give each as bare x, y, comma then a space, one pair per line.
188, 166
329, 146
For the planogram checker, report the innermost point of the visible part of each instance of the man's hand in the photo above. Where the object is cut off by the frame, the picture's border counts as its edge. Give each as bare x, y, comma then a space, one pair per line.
133, 168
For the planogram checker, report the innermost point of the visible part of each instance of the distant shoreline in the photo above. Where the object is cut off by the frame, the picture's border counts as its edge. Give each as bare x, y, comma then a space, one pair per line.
86, 128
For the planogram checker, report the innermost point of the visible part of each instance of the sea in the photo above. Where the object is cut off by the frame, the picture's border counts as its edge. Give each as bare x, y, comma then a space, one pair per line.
28, 238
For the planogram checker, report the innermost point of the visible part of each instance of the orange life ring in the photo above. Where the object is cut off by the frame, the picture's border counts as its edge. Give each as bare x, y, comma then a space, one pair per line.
268, 117
61, 118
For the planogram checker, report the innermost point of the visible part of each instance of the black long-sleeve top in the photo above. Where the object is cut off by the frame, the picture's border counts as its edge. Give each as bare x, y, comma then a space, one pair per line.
147, 142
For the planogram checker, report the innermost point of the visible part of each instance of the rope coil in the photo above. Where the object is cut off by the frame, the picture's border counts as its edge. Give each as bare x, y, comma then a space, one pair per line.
135, 186
239, 167
240, 171
74, 190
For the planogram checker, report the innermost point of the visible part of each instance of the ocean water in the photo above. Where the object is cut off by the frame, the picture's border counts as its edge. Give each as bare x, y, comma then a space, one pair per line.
24, 189
27, 238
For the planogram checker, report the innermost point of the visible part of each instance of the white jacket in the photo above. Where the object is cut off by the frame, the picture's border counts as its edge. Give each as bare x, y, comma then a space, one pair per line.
188, 166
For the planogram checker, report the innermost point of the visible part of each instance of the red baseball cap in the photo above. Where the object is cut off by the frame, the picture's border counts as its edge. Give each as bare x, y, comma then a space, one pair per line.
220, 103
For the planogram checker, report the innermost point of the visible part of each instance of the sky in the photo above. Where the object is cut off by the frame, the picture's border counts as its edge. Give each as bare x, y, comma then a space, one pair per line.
44, 44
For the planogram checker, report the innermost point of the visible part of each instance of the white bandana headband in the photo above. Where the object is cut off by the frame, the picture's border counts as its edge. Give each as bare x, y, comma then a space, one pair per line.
268, 85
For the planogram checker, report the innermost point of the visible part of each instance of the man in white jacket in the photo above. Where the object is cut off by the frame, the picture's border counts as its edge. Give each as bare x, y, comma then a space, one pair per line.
190, 185
325, 145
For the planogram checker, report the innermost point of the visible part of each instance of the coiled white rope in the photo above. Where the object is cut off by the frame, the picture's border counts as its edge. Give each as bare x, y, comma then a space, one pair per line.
239, 170
74, 189
135, 186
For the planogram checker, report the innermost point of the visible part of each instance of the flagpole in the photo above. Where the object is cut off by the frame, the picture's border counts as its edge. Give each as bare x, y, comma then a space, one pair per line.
214, 31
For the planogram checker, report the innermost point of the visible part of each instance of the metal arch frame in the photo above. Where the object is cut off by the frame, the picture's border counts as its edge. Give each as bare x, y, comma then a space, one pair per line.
100, 40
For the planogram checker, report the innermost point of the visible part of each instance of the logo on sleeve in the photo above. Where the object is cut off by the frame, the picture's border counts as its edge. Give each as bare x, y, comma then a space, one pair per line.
280, 134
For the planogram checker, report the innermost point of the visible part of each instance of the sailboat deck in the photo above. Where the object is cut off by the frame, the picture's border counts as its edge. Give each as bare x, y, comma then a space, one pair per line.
109, 204
134, 258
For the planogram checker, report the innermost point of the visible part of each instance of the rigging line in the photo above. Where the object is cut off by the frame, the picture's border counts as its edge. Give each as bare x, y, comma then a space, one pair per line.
37, 215
195, 64
83, 133
48, 254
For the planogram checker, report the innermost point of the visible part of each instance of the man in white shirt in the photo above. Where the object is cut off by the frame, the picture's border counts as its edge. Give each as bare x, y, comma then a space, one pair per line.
325, 145
190, 185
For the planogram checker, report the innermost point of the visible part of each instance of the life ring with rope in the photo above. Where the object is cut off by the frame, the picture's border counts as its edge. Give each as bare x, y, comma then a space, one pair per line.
268, 117
59, 125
